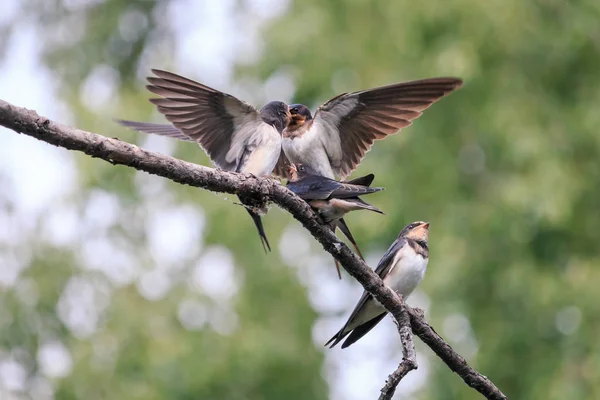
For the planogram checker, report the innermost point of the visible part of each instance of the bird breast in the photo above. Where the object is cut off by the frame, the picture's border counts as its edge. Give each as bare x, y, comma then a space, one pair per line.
408, 271
328, 209
267, 147
305, 150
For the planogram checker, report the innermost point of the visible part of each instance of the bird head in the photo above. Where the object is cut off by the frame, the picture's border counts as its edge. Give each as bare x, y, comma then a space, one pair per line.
300, 114
276, 113
298, 171
305, 170
417, 231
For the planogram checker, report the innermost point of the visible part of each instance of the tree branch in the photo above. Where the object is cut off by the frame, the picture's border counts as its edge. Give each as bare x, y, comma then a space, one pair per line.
115, 151
453, 360
409, 356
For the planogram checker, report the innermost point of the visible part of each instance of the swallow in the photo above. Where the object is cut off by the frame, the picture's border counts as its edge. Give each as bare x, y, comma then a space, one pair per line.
331, 199
343, 129
401, 268
235, 135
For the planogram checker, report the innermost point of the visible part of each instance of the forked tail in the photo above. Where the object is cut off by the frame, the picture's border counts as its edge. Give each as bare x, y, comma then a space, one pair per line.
261, 230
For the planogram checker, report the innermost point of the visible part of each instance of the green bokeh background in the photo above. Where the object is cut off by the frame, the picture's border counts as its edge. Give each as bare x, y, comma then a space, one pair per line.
507, 170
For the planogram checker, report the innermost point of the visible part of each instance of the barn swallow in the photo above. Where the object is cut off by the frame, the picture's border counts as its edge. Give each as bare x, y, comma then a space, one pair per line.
401, 268
343, 129
332, 199
235, 135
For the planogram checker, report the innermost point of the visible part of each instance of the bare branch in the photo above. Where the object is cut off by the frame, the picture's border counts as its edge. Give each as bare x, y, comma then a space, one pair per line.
409, 356
453, 360
115, 151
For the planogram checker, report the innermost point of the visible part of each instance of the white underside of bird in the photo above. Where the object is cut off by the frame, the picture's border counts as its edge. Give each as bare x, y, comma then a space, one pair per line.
263, 150
406, 274
305, 150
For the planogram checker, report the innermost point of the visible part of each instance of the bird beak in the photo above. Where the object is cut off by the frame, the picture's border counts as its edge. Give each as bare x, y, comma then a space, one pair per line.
425, 225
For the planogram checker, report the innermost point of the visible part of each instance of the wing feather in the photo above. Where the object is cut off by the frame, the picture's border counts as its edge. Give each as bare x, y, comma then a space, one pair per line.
219, 122
349, 124
156, 129
383, 268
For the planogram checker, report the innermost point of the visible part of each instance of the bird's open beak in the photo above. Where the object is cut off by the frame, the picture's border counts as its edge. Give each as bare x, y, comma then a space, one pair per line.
425, 225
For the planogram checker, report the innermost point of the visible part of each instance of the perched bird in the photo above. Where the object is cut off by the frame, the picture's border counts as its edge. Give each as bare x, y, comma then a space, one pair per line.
342, 131
401, 268
332, 199
235, 135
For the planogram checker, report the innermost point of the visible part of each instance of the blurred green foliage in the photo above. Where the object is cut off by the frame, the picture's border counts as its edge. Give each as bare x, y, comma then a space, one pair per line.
507, 170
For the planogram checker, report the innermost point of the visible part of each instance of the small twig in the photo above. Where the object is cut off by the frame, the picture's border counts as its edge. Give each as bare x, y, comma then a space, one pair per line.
453, 360
409, 356
116, 151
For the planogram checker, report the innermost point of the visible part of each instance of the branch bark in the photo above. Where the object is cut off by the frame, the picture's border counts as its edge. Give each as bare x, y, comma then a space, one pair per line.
453, 360
116, 151
409, 356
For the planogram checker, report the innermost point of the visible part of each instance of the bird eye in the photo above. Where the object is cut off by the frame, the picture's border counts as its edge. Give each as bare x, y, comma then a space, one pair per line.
301, 168
295, 109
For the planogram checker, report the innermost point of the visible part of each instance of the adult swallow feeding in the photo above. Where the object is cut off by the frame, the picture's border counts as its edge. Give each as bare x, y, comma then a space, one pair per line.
343, 129
332, 199
401, 268
235, 135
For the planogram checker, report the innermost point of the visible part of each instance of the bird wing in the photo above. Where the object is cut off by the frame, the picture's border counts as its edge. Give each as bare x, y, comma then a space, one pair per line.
346, 190
363, 180
384, 266
387, 262
313, 187
219, 122
317, 187
347, 125
155, 129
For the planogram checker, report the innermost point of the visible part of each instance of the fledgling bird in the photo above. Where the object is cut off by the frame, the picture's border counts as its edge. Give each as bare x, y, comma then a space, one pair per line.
332, 199
343, 129
401, 268
235, 135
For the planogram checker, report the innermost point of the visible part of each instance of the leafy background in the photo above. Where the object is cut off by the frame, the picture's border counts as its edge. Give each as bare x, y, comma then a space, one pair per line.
119, 285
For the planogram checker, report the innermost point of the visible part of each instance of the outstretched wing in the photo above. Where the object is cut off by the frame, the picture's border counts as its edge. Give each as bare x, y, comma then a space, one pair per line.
219, 122
348, 124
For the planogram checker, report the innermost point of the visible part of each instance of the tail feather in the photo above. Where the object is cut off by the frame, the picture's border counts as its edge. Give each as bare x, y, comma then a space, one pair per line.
333, 227
355, 333
337, 267
155, 129
364, 205
261, 230
361, 331
338, 337
340, 223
